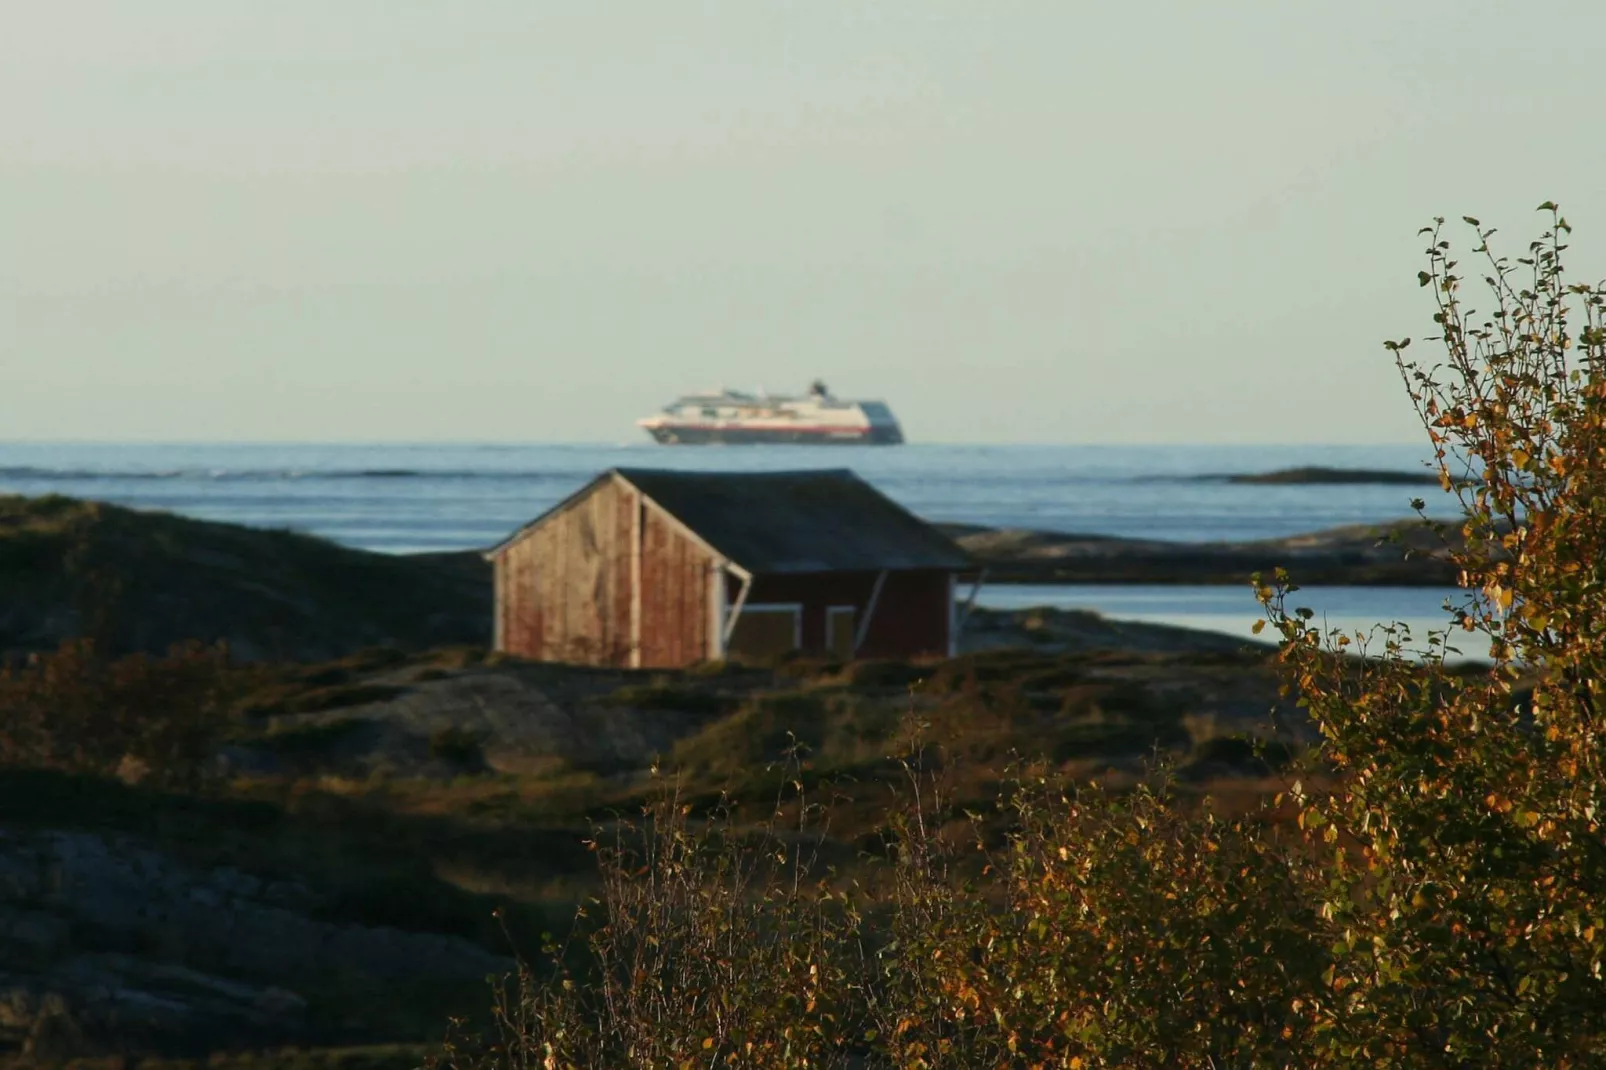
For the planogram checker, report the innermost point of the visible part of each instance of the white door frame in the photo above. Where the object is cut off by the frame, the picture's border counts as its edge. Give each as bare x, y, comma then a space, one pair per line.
853, 638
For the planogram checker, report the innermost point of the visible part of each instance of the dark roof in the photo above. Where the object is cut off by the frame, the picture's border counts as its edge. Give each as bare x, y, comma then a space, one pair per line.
811, 521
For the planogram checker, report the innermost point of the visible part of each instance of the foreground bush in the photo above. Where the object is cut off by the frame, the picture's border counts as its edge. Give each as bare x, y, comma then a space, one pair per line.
1469, 883
1119, 931
707, 947
1106, 931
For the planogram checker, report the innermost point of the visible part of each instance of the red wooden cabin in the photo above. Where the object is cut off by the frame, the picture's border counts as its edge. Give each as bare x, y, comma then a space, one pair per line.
662, 569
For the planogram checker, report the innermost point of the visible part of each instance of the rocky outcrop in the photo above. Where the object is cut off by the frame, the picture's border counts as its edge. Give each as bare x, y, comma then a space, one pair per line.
108, 945
142, 581
1399, 554
1316, 474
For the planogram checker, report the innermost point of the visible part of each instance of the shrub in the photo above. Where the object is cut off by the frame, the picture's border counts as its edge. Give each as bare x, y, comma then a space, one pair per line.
705, 948
1088, 946
154, 718
743, 744
678, 698
1466, 843
1120, 931
882, 674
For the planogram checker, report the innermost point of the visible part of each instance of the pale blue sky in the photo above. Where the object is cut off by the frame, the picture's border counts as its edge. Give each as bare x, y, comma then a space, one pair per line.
1033, 220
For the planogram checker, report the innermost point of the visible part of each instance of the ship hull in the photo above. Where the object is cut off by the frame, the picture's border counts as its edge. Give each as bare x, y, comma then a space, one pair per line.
756, 436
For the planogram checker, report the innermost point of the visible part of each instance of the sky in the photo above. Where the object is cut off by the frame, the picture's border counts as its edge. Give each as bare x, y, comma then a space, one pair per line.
537, 220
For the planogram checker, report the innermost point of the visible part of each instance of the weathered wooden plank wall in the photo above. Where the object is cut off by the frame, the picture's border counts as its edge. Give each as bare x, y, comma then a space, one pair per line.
675, 573
565, 594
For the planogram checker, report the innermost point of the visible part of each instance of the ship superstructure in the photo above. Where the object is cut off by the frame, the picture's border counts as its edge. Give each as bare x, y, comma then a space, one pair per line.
729, 416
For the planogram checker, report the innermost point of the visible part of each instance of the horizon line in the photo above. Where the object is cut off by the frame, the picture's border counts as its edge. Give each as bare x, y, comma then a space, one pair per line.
614, 444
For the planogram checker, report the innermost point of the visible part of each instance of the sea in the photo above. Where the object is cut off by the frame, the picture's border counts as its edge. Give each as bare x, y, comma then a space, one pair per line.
408, 498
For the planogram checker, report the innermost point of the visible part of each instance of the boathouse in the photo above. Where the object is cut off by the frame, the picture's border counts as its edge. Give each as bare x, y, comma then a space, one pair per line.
660, 569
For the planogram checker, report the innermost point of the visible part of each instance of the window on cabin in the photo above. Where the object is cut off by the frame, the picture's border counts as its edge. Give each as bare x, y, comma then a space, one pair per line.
766, 631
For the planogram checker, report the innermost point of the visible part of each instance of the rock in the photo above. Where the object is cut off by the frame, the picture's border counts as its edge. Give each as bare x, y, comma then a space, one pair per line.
30, 937
1320, 475
519, 719
94, 1003
1405, 553
267, 594
109, 945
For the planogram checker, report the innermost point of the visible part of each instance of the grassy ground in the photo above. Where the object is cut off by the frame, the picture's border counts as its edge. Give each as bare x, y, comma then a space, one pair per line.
517, 835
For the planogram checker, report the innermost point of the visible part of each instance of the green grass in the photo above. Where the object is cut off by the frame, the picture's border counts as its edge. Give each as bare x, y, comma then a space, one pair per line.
296, 699
307, 740
675, 697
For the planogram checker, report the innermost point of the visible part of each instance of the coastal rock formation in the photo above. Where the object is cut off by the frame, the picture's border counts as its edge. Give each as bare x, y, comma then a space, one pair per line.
514, 718
138, 581
517, 718
107, 944
1316, 474
1077, 631
1405, 553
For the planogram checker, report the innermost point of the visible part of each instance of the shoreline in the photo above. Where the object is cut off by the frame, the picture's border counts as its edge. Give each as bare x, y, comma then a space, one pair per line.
1402, 553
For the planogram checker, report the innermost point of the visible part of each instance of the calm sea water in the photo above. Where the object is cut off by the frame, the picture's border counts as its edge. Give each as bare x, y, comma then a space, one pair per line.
443, 497
400, 498
1233, 610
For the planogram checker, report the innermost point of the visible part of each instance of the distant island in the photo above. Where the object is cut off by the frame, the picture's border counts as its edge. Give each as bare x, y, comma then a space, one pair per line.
1401, 553
1319, 474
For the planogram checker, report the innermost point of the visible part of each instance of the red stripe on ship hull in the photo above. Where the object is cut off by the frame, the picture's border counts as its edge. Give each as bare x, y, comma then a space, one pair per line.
750, 427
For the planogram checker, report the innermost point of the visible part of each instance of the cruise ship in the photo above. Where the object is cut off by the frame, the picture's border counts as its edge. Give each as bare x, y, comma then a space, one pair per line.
732, 417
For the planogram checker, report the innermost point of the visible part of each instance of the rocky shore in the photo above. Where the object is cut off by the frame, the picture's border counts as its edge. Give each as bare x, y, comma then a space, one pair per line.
1405, 553
1318, 475
108, 943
